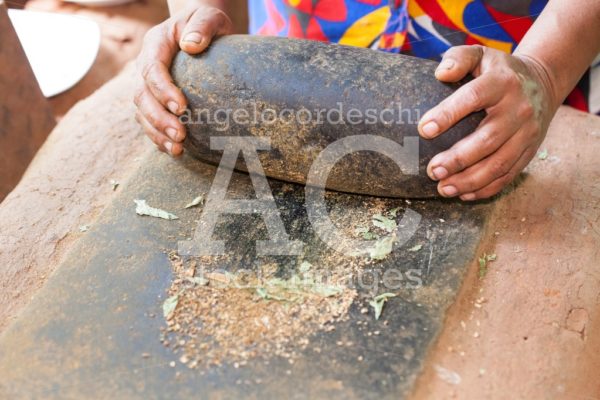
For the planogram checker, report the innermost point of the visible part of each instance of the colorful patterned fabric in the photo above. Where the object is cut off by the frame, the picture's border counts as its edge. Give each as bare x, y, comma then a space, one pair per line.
423, 28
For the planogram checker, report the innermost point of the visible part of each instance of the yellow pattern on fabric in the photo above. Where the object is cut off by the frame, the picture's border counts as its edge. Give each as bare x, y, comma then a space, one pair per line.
454, 10
365, 30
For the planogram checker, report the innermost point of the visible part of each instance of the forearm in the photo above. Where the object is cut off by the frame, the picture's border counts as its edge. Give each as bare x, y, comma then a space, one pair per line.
564, 41
177, 5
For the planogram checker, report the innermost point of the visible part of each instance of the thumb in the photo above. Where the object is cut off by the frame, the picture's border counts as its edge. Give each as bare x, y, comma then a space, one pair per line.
458, 61
204, 24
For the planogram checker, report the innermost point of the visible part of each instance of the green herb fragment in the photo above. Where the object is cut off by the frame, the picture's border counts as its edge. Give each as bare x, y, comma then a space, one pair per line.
198, 280
394, 212
114, 184
142, 208
360, 230
416, 248
382, 248
295, 288
378, 302
84, 228
305, 266
542, 155
326, 290
370, 236
365, 233
262, 292
196, 202
483, 260
169, 306
384, 223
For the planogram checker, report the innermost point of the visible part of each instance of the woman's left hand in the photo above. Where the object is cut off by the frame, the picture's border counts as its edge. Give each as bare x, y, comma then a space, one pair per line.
519, 101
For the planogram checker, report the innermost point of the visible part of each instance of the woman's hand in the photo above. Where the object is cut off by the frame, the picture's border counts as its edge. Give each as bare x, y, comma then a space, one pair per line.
519, 100
158, 100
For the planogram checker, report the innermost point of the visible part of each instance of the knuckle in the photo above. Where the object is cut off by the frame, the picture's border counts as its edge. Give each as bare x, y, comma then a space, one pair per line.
498, 168
474, 96
155, 86
138, 97
149, 69
210, 21
218, 16
487, 138
446, 114
525, 110
478, 50
511, 79
153, 120
459, 160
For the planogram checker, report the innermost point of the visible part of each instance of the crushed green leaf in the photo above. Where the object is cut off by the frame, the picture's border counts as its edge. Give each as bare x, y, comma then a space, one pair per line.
305, 266
483, 260
114, 184
295, 288
382, 248
378, 302
262, 292
142, 208
326, 290
370, 236
169, 305
542, 155
416, 247
365, 233
198, 280
84, 228
394, 212
385, 223
196, 202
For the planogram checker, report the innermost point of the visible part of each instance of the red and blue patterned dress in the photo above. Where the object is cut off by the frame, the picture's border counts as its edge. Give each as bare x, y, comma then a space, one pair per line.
422, 28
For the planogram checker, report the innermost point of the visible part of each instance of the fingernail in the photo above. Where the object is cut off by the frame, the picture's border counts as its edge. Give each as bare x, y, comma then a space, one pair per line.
173, 107
193, 37
430, 129
440, 173
468, 197
169, 147
172, 133
446, 65
449, 190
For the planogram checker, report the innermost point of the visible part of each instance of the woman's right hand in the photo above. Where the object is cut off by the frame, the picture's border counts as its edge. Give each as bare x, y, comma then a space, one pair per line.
159, 102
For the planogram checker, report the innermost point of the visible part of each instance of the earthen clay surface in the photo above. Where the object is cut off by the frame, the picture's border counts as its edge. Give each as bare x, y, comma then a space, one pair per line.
530, 329
65, 188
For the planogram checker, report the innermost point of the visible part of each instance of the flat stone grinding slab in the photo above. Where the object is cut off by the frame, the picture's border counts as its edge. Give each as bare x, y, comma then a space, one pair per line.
303, 95
84, 333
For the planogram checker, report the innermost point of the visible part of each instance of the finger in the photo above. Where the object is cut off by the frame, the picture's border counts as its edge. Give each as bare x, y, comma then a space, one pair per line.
497, 185
158, 117
202, 27
476, 95
492, 133
159, 139
458, 61
487, 170
154, 63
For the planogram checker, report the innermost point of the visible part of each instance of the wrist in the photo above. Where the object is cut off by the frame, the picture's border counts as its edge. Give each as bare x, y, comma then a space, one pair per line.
546, 78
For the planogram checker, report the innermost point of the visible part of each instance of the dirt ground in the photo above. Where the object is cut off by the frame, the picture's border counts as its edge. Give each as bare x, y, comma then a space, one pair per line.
529, 328
64, 189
